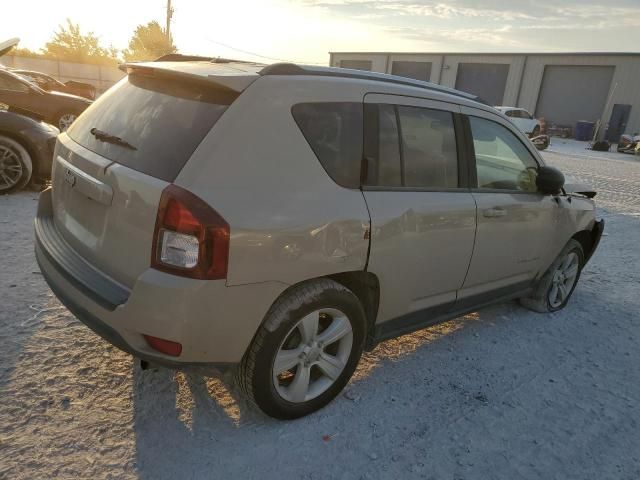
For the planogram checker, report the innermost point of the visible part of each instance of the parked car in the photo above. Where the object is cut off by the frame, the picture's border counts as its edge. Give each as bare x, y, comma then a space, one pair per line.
7, 45
523, 120
59, 109
249, 225
50, 84
26, 150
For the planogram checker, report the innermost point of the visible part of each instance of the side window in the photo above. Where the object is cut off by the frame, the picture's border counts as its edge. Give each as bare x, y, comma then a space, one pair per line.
428, 146
334, 132
510, 113
10, 84
526, 115
502, 161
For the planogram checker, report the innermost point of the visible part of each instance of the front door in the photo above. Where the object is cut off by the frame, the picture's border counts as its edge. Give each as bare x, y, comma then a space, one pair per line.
423, 217
516, 223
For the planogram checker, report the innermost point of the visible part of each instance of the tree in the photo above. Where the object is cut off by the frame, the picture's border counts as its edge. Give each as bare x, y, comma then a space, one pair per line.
149, 42
24, 52
70, 44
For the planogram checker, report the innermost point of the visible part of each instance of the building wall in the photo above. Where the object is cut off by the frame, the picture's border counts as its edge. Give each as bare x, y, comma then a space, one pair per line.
102, 77
525, 74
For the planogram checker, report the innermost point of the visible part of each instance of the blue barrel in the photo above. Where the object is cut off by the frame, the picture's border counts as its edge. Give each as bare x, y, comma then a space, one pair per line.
584, 130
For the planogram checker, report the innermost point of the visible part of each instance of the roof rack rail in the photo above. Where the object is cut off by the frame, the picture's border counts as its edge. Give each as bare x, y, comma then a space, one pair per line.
294, 69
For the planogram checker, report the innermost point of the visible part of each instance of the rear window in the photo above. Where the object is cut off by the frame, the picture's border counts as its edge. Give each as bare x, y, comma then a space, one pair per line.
164, 119
334, 132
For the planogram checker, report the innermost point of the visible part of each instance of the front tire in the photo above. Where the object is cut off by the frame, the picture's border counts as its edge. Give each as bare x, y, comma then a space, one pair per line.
556, 286
306, 350
15, 165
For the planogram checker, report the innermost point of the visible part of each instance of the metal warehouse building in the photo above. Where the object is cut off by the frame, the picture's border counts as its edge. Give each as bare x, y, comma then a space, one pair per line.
562, 88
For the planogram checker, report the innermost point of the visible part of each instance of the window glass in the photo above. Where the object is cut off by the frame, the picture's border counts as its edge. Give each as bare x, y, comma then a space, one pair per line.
510, 113
428, 148
356, 64
502, 161
7, 82
163, 119
389, 173
334, 132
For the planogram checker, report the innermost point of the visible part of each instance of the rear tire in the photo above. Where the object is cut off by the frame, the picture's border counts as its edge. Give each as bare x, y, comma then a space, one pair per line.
15, 165
315, 335
555, 287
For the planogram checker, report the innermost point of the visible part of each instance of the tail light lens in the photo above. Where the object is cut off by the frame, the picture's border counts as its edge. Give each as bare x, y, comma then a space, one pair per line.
190, 239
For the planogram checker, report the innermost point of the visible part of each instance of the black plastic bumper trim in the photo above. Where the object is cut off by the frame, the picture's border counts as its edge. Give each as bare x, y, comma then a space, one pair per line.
77, 271
596, 235
108, 333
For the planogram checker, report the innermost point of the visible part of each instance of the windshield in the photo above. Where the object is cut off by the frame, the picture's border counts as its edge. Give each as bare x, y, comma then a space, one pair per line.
164, 119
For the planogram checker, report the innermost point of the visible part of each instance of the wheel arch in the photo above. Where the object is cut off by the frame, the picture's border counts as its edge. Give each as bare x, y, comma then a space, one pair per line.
364, 285
589, 239
25, 142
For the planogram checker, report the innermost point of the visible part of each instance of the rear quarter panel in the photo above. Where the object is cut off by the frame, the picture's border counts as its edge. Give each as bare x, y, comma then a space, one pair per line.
289, 220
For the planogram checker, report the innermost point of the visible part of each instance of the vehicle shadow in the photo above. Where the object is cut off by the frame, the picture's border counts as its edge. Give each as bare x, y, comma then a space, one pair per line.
183, 417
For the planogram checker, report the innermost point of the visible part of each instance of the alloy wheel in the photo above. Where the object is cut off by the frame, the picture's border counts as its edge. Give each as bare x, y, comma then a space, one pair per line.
66, 120
313, 355
10, 168
564, 279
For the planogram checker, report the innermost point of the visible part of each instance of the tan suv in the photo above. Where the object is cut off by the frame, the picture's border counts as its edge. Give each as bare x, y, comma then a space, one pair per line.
286, 218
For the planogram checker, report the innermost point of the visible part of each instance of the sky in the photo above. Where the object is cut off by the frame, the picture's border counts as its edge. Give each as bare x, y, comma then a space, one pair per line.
306, 30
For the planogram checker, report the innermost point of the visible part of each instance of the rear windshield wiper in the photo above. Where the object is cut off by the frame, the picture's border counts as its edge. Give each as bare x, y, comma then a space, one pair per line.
108, 138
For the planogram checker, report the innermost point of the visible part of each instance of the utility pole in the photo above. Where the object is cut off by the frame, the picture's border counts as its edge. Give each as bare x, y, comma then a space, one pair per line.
169, 16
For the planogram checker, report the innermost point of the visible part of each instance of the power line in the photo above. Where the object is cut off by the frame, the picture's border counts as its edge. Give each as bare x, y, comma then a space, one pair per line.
260, 56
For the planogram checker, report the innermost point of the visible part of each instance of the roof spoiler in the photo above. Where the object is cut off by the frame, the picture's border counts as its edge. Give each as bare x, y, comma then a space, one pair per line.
231, 83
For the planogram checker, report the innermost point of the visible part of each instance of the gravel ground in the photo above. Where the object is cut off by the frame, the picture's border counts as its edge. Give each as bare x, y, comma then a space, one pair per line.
503, 393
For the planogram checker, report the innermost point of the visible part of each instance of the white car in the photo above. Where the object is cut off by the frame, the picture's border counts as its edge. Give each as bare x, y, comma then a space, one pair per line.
523, 120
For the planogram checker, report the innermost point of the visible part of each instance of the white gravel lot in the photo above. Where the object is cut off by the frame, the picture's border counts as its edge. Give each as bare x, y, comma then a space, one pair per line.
500, 394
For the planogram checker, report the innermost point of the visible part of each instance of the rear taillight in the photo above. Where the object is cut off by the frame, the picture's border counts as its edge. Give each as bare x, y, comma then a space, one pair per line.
190, 239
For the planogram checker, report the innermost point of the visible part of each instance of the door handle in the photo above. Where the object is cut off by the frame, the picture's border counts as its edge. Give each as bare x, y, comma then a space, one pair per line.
494, 212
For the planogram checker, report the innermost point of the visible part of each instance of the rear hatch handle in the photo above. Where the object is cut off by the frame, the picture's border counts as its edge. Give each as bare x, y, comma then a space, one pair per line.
85, 184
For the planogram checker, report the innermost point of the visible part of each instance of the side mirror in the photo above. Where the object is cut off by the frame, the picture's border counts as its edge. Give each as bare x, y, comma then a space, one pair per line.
549, 180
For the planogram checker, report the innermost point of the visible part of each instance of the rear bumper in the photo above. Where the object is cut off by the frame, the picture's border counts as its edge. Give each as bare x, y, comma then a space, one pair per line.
213, 322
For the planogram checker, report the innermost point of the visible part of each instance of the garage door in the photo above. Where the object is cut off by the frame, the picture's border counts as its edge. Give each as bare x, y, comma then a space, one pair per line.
486, 80
416, 70
573, 92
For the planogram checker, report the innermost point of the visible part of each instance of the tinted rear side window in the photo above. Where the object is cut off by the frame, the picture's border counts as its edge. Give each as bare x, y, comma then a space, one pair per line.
410, 147
165, 120
428, 148
334, 132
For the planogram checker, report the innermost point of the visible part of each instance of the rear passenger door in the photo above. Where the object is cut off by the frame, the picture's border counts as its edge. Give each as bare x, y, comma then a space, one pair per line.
516, 223
423, 215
